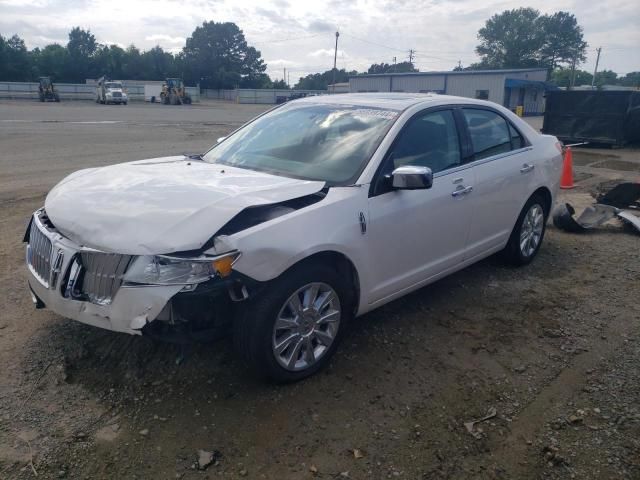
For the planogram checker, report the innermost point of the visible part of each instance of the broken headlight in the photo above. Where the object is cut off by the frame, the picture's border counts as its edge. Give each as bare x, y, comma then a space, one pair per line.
166, 270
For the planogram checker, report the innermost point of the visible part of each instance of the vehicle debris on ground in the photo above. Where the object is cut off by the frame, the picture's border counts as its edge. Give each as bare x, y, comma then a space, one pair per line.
611, 204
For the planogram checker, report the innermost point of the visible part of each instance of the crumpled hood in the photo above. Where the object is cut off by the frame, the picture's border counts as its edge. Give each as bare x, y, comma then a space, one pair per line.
161, 205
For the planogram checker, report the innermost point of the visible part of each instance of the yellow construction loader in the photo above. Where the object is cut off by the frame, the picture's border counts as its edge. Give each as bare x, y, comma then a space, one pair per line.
174, 93
46, 91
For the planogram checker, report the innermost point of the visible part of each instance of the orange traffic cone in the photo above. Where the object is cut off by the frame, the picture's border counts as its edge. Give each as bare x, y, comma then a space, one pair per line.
566, 181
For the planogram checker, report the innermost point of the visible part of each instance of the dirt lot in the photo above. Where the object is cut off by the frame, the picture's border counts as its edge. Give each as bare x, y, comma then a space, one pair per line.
554, 348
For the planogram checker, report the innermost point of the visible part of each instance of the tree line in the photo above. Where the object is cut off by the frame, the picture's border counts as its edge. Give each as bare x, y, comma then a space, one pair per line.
217, 55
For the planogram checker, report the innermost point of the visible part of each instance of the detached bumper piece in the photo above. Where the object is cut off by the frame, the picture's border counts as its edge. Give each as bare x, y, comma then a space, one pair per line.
610, 205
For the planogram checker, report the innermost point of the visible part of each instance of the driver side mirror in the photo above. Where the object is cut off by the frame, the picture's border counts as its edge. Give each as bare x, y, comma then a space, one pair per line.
412, 178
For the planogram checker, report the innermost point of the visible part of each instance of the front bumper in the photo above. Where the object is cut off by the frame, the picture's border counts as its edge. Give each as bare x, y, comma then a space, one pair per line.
130, 309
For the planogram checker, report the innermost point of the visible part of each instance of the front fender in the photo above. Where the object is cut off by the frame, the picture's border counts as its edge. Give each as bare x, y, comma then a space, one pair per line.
331, 225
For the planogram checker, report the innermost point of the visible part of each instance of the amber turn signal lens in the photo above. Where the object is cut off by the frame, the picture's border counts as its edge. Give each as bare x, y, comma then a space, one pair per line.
223, 266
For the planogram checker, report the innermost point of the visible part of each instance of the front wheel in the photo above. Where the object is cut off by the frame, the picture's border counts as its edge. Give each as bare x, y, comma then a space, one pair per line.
528, 233
291, 330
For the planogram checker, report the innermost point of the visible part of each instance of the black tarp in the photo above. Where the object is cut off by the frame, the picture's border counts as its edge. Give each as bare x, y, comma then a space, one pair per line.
611, 117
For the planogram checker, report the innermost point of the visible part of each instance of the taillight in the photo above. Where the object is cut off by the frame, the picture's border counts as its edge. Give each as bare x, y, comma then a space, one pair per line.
560, 147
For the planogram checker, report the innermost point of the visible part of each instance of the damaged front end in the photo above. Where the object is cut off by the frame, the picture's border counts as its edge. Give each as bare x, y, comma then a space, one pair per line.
178, 298
202, 313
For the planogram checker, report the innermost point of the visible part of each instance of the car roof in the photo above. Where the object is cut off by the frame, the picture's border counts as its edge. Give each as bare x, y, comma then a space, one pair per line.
389, 100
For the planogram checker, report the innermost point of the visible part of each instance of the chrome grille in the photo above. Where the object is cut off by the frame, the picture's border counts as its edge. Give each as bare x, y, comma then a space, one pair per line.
39, 253
102, 275
117, 95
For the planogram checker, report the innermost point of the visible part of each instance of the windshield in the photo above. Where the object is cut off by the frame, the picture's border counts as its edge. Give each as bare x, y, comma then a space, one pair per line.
113, 85
331, 143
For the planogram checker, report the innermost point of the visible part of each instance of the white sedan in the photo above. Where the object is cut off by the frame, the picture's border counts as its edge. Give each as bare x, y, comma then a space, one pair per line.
312, 213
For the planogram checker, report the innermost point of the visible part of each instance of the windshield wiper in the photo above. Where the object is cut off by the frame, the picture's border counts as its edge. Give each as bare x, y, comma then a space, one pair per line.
194, 156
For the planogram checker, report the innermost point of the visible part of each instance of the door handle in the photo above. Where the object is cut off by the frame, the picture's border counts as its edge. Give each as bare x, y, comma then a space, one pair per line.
462, 191
526, 168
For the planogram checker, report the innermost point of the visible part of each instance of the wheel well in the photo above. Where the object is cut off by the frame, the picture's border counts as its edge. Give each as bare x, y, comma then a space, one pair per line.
545, 194
342, 265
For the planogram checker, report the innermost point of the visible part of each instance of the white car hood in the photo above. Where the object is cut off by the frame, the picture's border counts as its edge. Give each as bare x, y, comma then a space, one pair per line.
161, 205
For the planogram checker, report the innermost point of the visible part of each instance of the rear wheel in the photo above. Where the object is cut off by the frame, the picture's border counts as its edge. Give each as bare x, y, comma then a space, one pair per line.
528, 233
290, 331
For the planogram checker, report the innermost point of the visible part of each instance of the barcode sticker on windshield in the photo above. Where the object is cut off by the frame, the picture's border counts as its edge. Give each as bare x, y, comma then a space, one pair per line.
374, 112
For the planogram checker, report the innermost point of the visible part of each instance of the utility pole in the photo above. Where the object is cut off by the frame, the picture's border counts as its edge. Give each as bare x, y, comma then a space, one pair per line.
572, 80
284, 74
289, 79
595, 70
335, 60
412, 52
394, 64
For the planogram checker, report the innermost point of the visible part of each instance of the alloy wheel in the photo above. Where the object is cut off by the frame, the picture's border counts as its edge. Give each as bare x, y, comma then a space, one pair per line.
531, 231
306, 326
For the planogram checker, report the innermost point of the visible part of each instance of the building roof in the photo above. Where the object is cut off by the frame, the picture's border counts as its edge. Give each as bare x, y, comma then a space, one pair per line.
452, 72
519, 82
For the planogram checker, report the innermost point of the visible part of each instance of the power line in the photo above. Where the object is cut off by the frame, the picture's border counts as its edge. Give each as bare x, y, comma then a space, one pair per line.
374, 43
282, 40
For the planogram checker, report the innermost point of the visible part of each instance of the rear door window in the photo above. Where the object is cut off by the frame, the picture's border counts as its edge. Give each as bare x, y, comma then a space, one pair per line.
489, 132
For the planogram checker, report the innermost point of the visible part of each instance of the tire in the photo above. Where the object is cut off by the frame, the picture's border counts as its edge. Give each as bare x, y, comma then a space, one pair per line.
531, 223
255, 336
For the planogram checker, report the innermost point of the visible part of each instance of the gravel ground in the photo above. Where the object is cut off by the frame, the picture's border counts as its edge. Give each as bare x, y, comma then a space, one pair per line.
549, 352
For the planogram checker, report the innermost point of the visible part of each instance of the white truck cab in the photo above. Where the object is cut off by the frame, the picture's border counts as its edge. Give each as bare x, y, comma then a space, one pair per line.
111, 91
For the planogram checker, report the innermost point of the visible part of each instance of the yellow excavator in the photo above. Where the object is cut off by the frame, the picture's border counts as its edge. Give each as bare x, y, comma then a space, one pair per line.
174, 93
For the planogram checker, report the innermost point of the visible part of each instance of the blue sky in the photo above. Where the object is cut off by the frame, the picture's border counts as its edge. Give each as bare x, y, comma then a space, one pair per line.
299, 35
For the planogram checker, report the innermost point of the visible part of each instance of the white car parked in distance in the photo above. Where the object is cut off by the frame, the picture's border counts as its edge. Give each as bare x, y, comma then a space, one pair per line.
316, 211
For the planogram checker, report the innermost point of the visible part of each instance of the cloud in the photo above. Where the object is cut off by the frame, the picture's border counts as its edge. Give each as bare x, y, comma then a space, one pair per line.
302, 33
279, 63
320, 26
278, 19
326, 52
159, 37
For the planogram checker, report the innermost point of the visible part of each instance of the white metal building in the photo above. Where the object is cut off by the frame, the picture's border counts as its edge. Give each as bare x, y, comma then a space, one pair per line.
511, 88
